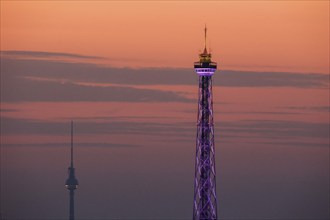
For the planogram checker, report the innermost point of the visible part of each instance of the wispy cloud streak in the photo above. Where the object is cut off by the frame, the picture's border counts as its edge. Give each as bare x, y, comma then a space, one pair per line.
88, 72
43, 54
293, 133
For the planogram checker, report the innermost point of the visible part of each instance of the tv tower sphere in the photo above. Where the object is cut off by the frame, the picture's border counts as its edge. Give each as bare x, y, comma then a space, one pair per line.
205, 198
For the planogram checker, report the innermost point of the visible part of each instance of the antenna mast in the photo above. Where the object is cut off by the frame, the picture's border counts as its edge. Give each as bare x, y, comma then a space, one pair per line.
71, 183
205, 31
71, 143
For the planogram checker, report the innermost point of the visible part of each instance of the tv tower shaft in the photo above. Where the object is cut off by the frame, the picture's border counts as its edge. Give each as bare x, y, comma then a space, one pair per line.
71, 183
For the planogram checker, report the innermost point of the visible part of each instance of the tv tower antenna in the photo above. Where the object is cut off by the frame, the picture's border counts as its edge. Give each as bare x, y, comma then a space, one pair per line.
71, 183
205, 199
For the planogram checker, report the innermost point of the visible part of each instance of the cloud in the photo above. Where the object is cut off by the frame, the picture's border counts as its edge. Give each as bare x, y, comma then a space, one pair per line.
272, 79
87, 72
289, 143
42, 54
263, 113
25, 126
15, 88
277, 130
7, 110
24, 90
309, 108
67, 144
278, 133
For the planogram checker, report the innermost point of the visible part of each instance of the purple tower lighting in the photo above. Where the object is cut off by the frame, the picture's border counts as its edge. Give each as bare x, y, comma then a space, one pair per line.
205, 199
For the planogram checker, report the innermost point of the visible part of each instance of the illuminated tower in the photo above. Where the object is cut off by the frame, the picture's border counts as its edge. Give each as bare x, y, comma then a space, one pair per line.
205, 199
71, 183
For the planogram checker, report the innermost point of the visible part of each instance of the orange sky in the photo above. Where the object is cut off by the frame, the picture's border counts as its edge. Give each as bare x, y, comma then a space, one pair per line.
261, 35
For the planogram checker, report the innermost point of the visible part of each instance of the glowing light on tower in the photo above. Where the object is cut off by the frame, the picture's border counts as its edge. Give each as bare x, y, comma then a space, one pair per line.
71, 183
205, 199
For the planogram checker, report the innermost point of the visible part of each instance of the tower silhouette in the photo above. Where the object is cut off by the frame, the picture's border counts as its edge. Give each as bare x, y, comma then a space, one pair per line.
71, 183
205, 199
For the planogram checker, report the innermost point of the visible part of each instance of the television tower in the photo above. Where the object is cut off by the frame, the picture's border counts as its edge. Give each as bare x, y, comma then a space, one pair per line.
205, 199
71, 183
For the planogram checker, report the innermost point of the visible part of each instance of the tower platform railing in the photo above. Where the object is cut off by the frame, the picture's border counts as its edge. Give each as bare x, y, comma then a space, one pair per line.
205, 65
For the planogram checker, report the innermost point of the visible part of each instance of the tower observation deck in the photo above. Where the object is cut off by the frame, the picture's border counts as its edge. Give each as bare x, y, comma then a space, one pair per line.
205, 199
71, 183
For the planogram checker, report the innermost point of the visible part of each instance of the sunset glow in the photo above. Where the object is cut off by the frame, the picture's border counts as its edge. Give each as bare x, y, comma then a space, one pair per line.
277, 35
123, 71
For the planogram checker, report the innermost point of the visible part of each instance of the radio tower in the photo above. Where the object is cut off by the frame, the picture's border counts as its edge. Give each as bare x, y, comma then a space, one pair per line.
71, 183
205, 199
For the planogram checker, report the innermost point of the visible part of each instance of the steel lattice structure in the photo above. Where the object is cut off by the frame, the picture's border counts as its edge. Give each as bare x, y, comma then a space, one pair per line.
205, 199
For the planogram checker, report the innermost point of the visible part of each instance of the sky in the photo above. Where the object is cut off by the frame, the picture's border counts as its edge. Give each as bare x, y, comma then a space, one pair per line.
123, 72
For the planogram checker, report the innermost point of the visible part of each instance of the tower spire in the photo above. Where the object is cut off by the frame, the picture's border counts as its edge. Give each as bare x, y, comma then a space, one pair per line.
71, 144
205, 57
205, 32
